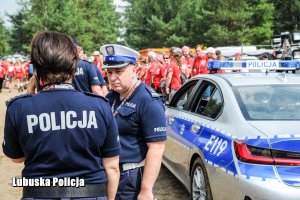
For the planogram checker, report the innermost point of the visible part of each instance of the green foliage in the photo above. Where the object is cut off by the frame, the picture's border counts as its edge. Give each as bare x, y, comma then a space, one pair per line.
93, 22
162, 23
21, 32
287, 15
212, 22
234, 22
4, 46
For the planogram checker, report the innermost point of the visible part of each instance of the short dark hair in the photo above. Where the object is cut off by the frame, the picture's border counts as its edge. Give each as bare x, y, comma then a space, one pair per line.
54, 55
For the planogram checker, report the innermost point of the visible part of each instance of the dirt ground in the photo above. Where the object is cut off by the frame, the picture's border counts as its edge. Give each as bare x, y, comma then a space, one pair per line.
167, 186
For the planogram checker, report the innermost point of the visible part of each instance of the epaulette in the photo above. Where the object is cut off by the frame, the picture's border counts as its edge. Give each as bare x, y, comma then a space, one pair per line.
152, 91
87, 61
9, 101
95, 95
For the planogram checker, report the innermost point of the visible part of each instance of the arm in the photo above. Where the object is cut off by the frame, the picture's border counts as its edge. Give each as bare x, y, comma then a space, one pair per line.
96, 89
18, 160
104, 90
11, 146
94, 79
111, 166
151, 169
141, 74
168, 82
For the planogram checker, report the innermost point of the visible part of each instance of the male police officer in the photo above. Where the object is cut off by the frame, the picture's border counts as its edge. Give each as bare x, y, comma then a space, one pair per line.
141, 121
57, 135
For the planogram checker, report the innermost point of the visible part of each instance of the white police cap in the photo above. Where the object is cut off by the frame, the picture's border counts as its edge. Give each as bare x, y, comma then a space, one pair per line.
118, 56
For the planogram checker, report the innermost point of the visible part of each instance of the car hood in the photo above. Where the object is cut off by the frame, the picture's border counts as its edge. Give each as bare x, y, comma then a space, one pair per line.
284, 136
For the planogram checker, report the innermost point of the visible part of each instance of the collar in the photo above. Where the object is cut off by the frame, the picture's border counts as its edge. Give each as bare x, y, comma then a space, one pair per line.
57, 86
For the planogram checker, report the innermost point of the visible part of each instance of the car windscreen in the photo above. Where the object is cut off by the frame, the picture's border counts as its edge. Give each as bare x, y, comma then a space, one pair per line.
269, 102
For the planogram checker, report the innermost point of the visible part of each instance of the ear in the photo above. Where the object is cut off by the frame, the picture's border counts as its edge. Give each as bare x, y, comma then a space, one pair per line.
134, 71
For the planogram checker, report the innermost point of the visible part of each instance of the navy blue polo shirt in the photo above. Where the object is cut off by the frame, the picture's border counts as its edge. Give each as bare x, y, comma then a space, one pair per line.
140, 120
85, 76
100, 77
60, 136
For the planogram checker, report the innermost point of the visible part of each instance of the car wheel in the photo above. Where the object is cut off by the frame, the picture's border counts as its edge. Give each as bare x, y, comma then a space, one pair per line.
200, 188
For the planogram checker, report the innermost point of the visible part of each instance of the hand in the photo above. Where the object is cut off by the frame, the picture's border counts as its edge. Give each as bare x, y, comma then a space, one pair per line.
167, 90
145, 195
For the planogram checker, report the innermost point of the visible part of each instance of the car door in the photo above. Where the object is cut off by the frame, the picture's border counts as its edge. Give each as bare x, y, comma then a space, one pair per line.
207, 106
178, 145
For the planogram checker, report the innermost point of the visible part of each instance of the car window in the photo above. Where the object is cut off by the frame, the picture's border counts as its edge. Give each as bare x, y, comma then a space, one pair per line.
273, 102
210, 101
214, 105
182, 95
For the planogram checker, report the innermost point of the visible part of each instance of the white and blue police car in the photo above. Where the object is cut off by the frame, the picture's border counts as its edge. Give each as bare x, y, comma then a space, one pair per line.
237, 135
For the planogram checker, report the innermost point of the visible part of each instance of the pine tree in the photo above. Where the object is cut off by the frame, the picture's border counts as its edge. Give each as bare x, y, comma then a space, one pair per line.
4, 45
287, 16
234, 22
164, 23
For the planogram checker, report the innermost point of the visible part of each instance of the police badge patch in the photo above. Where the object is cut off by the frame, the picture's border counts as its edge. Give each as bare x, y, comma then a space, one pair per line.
110, 50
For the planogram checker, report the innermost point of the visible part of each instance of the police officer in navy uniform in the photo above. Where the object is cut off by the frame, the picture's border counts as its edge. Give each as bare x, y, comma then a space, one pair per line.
86, 78
139, 112
56, 135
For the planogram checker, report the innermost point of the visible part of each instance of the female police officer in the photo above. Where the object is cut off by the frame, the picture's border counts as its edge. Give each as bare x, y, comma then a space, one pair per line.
141, 121
57, 135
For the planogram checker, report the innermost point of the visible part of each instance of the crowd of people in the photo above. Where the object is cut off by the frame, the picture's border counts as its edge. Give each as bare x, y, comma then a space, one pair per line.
165, 73
14, 74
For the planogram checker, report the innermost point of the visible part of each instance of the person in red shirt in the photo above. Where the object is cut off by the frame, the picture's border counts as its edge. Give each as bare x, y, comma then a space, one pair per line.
159, 73
10, 74
163, 83
187, 61
26, 65
200, 62
211, 53
142, 69
152, 66
2, 75
98, 62
19, 75
173, 81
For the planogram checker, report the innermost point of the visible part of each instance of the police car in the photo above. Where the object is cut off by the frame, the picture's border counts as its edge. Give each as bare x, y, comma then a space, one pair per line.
237, 135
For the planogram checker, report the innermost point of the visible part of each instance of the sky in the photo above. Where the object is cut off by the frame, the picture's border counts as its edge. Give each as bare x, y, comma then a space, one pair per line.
7, 6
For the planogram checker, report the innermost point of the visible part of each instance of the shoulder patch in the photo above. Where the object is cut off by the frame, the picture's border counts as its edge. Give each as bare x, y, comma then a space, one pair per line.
9, 101
152, 91
95, 95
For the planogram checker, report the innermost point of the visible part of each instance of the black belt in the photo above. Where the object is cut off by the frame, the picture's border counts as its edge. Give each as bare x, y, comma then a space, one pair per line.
92, 190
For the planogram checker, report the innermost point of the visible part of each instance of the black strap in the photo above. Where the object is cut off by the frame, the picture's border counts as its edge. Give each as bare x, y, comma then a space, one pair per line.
92, 190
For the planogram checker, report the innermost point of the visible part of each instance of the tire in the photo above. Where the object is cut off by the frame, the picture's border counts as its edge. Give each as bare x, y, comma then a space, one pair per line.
200, 187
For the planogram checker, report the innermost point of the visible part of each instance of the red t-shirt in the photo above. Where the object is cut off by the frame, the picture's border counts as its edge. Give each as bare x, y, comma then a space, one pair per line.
141, 72
175, 80
2, 72
158, 75
19, 71
98, 63
187, 65
10, 69
26, 68
200, 64
151, 73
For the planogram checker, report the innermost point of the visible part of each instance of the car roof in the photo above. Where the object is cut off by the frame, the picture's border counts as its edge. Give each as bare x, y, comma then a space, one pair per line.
240, 79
